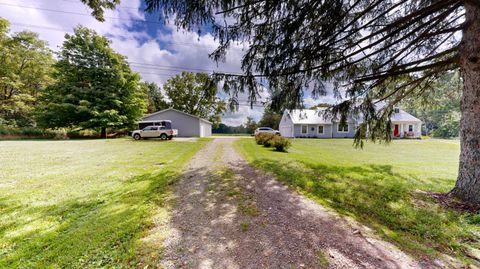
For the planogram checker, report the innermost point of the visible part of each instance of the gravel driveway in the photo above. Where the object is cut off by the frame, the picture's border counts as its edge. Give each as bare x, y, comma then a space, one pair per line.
230, 215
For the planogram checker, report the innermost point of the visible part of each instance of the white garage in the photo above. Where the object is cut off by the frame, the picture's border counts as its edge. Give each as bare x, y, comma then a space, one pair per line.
186, 124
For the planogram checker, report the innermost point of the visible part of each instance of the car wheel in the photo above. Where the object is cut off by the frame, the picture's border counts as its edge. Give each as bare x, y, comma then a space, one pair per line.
163, 136
137, 137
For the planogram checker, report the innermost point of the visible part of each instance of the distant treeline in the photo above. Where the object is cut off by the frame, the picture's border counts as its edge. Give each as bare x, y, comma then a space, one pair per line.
225, 129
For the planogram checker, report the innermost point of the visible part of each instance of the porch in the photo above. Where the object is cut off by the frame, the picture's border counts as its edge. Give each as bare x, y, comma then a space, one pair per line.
407, 129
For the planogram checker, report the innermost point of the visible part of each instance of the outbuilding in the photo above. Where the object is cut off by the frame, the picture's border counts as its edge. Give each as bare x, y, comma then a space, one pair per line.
186, 124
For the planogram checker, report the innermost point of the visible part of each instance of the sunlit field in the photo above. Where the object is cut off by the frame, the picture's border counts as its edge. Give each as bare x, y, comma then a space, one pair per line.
86, 203
382, 186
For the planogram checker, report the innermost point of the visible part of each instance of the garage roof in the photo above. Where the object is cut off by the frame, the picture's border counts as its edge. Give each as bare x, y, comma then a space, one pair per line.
176, 110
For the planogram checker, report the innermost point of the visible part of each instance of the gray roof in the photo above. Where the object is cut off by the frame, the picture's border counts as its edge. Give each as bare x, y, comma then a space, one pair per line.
317, 116
403, 116
309, 116
176, 110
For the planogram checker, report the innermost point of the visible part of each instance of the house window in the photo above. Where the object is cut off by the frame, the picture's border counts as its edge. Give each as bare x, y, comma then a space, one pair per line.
410, 128
320, 129
304, 129
342, 128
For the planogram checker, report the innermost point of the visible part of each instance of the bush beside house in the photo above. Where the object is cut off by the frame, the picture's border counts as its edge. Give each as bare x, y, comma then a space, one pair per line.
271, 140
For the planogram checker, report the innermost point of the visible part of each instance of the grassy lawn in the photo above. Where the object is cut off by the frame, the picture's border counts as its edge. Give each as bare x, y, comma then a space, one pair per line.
86, 203
380, 186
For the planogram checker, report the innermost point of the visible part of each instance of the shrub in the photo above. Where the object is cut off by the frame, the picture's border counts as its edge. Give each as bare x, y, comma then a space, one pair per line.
262, 137
281, 143
8, 132
82, 134
269, 141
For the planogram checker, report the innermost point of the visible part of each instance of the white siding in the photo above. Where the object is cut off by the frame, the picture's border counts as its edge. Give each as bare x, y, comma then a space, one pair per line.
187, 125
205, 129
286, 126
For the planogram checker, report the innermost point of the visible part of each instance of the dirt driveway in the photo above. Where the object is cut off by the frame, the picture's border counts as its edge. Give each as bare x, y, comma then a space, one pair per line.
230, 215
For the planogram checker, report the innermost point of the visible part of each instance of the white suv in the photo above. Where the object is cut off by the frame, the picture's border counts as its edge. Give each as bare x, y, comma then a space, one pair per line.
266, 130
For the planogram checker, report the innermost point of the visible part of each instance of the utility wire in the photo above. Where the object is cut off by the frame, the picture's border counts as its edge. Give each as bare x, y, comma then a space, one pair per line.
140, 64
79, 14
86, 14
119, 6
70, 31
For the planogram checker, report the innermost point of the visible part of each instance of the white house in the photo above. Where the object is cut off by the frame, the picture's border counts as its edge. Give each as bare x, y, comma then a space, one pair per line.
313, 123
187, 125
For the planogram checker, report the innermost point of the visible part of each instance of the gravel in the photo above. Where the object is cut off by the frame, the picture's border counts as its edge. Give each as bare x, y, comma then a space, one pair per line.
207, 229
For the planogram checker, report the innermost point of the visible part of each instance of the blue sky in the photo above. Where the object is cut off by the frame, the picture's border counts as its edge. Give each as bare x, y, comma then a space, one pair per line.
156, 50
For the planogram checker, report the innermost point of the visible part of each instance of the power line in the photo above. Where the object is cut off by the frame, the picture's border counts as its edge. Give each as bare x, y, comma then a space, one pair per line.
119, 6
78, 13
178, 68
70, 31
86, 14
138, 64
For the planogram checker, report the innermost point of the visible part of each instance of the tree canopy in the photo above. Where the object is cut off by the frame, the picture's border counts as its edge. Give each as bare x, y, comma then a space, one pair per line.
94, 86
372, 51
25, 68
439, 110
270, 119
156, 100
195, 94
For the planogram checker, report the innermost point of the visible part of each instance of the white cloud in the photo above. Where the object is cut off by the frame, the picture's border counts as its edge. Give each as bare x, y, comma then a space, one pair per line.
156, 58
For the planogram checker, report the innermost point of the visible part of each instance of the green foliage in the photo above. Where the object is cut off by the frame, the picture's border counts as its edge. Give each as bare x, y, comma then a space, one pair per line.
439, 108
86, 204
94, 87
7, 132
261, 138
156, 100
271, 140
321, 105
268, 141
270, 119
250, 125
379, 186
362, 51
25, 70
98, 7
225, 129
196, 94
281, 143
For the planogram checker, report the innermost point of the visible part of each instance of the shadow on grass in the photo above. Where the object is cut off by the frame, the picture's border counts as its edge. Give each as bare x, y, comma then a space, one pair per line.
279, 225
387, 201
101, 230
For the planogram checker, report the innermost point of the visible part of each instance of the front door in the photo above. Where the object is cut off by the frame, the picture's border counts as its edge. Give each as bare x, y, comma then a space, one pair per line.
396, 132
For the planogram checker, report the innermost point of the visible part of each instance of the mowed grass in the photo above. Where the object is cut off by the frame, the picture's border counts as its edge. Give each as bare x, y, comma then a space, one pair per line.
88, 203
382, 186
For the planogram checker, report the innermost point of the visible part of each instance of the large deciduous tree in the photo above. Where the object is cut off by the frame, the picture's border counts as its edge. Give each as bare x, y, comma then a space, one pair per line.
25, 70
439, 110
94, 89
362, 46
196, 94
156, 100
270, 119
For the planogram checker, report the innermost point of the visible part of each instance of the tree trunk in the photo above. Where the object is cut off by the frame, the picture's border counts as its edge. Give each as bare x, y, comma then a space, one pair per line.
467, 187
103, 133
